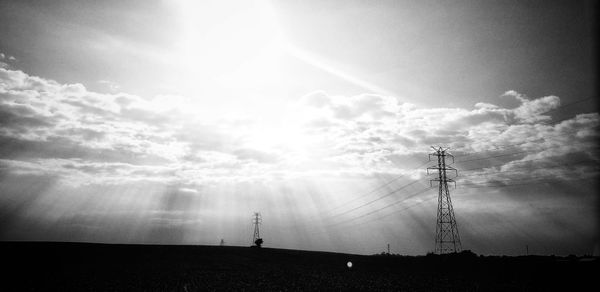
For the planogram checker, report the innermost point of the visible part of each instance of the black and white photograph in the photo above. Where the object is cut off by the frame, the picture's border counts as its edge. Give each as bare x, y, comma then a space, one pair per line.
299, 145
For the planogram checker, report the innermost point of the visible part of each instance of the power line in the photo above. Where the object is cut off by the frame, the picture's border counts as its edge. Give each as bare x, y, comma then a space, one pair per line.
382, 208
396, 211
494, 156
515, 170
423, 190
520, 152
512, 162
543, 177
563, 119
529, 178
562, 107
395, 191
464, 161
499, 147
534, 182
376, 189
506, 146
377, 199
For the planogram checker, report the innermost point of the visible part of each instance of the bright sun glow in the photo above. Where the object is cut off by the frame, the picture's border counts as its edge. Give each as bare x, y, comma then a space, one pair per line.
285, 137
232, 45
237, 53
239, 49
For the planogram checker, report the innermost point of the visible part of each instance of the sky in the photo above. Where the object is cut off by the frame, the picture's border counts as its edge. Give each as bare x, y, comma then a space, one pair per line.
173, 121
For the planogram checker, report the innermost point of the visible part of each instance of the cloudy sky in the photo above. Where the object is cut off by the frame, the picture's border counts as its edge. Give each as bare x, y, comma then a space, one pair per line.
172, 121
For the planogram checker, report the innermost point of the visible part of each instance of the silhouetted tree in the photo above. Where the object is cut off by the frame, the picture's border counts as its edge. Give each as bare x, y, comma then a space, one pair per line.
258, 242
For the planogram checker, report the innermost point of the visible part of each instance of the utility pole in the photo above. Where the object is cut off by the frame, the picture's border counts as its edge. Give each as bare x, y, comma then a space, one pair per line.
388, 248
257, 220
447, 239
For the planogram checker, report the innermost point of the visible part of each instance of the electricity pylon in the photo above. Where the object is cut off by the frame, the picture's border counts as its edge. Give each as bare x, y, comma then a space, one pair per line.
257, 220
447, 239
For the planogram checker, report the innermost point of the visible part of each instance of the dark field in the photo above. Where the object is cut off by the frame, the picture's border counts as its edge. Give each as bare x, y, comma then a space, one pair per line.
103, 267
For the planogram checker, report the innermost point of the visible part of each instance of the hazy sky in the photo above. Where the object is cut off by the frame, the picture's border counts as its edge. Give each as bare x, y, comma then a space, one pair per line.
173, 121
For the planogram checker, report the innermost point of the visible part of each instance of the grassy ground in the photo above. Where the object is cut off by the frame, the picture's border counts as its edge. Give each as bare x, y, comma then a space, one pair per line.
100, 267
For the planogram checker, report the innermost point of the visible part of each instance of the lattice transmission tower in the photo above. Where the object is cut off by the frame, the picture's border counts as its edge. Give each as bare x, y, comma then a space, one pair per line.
447, 239
257, 220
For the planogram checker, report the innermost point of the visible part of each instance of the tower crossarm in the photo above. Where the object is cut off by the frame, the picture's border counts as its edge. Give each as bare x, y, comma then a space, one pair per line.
446, 168
448, 180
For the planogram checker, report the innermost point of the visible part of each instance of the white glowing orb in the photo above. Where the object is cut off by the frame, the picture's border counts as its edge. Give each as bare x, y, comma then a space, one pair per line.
349, 264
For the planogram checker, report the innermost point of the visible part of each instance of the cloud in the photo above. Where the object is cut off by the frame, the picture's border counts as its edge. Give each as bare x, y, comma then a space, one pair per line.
368, 106
533, 110
87, 137
369, 142
111, 86
84, 165
6, 58
316, 99
256, 155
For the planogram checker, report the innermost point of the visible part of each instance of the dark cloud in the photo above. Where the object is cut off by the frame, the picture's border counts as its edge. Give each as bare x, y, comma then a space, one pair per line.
21, 117
65, 148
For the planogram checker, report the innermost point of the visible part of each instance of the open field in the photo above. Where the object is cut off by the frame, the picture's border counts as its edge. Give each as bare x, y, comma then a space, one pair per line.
106, 267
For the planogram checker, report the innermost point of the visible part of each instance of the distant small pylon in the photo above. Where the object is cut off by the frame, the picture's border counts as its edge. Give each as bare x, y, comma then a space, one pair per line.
256, 240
